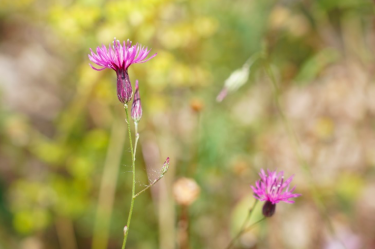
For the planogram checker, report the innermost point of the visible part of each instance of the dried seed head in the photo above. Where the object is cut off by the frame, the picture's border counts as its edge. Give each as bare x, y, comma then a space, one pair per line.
185, 191
196, 105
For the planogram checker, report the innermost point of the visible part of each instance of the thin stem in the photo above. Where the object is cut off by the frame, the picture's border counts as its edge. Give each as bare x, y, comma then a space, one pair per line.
164, 170
245, 230
288, 127
183, 228
243, 225
133, 168
249, 215
108, 185
149, 186
136, 138
251, 226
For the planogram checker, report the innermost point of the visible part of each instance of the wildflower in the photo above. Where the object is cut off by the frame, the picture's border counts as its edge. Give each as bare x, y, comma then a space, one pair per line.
119, 57
136, 106
273, 189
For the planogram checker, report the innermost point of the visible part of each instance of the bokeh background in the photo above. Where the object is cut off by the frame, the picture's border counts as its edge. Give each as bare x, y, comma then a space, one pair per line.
65, 168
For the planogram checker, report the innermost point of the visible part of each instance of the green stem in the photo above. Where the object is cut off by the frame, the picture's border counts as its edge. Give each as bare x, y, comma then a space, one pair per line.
133, 169
251, 226
149, 186
285, 121
243, 225
136, 138
164, 170
246, 230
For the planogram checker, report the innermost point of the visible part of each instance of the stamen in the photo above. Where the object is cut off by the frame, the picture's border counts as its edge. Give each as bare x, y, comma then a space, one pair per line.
282, 180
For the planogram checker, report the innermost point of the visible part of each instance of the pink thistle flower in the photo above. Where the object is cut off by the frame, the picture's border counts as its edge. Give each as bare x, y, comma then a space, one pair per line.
136, 106
119, 58
273, 189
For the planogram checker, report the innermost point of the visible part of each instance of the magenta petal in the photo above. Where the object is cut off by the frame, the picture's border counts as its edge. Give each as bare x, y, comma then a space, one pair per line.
273, 188
148, 58
97, 69
119, 57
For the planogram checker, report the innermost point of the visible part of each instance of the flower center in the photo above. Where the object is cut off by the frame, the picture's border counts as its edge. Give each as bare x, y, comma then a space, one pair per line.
276, 186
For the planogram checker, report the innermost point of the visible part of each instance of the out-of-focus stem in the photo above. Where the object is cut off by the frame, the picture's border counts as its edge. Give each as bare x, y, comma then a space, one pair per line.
285, 121
133, 169
246, 230
243, 225
149, 186
108, 186
252, 225
249, 215
183, 228
65, 233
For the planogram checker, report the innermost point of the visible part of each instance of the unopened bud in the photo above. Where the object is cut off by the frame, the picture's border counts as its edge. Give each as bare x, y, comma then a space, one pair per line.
269, 209
237, 78
165, 167
124, 87
196, 105
136, 106
125, 230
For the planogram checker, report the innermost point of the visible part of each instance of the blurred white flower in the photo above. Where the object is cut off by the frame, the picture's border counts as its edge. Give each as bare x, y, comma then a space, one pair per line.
237, 79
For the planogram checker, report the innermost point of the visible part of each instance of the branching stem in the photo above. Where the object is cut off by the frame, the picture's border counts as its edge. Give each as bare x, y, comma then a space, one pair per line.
133, 169
242, 230
149, 186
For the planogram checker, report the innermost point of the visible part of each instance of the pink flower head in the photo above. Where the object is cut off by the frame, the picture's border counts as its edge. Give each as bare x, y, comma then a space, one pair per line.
136, 113
272, 188
119, 57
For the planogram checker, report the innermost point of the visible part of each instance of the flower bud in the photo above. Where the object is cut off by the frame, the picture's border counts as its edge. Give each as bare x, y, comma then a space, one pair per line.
196, 105
268, 209
165, 167
125, 230
237, 79
136, 106
124, 87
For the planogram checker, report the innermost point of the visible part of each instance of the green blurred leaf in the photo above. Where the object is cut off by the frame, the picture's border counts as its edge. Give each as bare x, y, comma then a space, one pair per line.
314, 65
